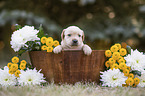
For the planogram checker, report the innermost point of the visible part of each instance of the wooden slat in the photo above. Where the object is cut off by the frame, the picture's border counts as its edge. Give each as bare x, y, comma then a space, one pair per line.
69, 66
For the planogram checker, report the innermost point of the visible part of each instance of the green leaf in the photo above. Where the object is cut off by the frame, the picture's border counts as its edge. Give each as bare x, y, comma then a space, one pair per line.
22, 50
17, 27
135, 72
41, 32
33, 45
37, 41
29, 66
30, 46
128, 49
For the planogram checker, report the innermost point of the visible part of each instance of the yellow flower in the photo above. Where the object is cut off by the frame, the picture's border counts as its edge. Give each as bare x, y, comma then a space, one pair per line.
134, 85
112, 61
43, 40
130, 75
120, 57
11, 71
128, 68
107, 64
115, 55
14, 67
114, 48
17, 73
124, 85
123, 51
50, 38
108, 53
15, 59
49, 49
55, 43
23, 62
126, 72
114, 66
49, 42
130, 81
122, 66
44, 47
9, 65
22, 66
136, 81
118, 45
121, 61
110, 65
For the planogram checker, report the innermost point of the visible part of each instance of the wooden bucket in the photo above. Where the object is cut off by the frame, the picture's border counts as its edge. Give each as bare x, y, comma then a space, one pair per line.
69, 66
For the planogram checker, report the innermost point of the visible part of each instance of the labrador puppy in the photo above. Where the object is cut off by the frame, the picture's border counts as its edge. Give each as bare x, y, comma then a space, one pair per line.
72, 39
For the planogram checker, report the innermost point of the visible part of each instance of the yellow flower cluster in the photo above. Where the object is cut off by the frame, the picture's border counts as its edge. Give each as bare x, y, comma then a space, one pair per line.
116, 60
14, 66
131, 81
48, 43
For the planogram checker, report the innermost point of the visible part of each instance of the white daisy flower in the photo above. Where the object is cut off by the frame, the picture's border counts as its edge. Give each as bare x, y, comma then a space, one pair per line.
112, 78
136, 60
7, 79
142, 80
21, 36
31, 77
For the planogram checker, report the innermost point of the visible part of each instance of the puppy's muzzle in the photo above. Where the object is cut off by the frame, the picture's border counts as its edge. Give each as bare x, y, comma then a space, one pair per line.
74, 42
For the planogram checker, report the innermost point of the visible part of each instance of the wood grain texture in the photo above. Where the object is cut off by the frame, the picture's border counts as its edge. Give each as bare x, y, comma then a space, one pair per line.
69, 66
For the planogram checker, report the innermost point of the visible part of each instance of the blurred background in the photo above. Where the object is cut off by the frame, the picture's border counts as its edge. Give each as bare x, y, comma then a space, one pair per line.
104, 22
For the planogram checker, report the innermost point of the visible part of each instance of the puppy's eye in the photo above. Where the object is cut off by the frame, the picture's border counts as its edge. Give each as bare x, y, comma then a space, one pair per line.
79, 35
69, 35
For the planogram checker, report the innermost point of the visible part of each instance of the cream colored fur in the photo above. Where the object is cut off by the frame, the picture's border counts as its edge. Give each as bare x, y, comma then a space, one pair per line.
72, 39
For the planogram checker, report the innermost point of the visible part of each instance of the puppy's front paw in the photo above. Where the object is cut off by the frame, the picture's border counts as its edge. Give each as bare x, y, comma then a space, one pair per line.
57, 49
87, 50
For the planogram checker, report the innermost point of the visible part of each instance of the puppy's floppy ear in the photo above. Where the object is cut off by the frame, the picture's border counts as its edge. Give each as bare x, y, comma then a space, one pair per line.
62, 34
83, 37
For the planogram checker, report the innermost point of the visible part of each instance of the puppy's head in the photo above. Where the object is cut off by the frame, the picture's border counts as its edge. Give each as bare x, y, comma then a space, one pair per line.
72, 36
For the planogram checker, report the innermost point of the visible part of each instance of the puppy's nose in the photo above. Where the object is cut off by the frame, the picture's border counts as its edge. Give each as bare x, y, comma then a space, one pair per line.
75, 41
